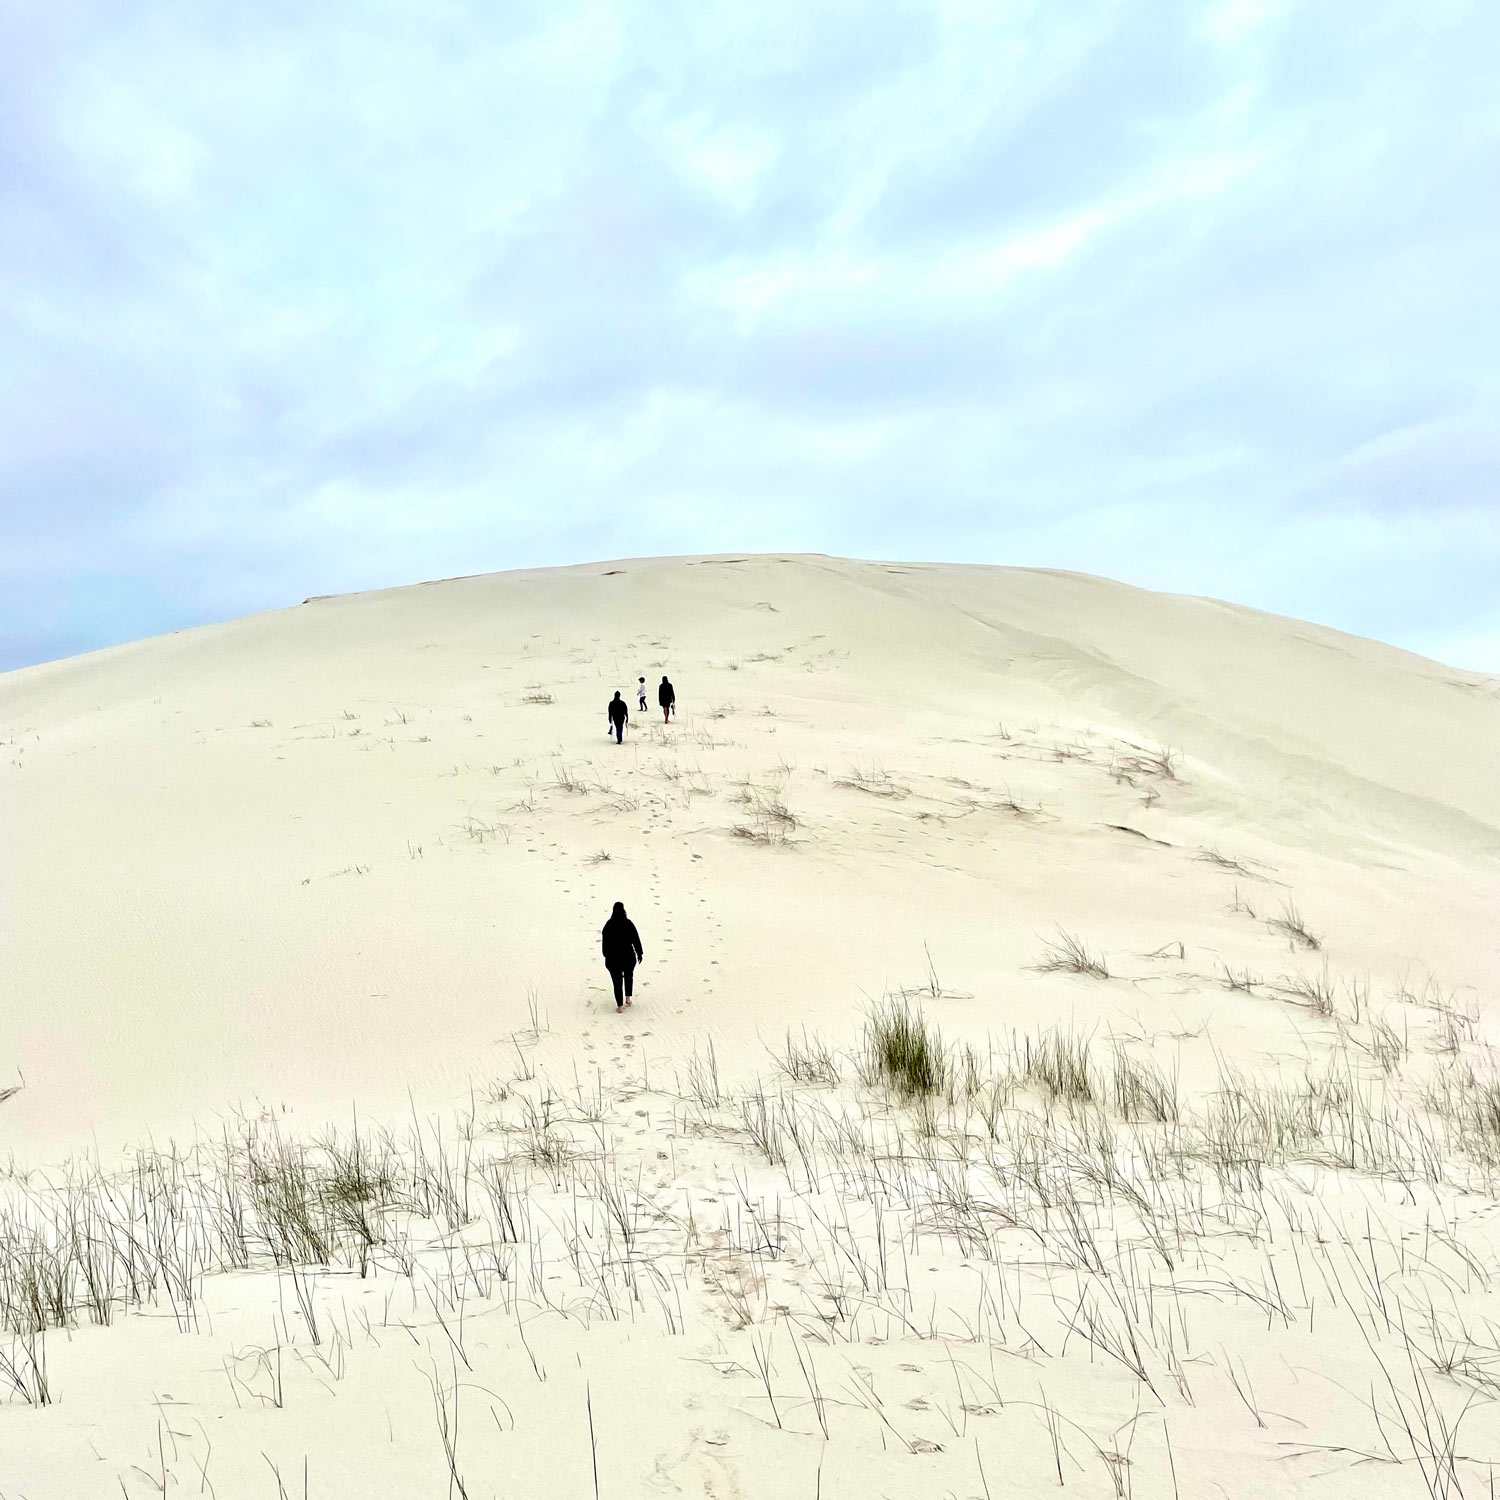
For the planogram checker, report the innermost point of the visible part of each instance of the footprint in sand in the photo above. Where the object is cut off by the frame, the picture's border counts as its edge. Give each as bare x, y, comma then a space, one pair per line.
697, 1470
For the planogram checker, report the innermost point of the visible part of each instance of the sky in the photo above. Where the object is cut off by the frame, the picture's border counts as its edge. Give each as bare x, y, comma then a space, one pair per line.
309, 299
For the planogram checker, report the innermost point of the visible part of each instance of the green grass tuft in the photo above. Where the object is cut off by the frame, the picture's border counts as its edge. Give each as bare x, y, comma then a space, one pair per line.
902, 1051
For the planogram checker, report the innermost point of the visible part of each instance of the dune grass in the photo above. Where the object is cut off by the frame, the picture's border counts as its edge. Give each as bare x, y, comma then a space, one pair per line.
1070, 955
1064, 1176
902, 1051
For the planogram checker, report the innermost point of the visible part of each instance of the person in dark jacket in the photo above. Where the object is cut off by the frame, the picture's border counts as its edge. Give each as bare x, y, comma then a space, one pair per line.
666, 695
618, 714
622, 948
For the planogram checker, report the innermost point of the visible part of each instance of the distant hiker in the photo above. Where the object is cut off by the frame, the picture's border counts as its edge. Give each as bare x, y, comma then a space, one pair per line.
666, 695
622, 947
640, 693
618, 714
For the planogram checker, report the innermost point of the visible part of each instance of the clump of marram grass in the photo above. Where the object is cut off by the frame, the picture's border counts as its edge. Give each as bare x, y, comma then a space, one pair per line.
902, 1051
1070, 955
1141, 1090
1058, 1063
285, 1192
1470, 1105
360, 1184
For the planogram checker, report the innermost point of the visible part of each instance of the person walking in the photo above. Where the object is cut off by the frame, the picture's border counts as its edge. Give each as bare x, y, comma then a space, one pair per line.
666, 695
618, 714
640, 693
622, 949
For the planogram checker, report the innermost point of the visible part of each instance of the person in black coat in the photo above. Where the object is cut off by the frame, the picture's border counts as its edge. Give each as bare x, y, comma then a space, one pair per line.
618, 714
622, 947
666, 695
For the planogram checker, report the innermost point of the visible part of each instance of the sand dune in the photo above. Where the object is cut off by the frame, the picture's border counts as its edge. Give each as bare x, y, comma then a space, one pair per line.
344, 866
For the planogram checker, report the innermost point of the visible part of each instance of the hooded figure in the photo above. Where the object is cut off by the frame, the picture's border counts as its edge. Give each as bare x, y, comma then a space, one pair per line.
666, 695
621, 945
618, 714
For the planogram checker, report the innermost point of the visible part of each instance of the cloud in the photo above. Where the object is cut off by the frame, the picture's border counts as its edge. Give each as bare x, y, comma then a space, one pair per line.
1196, 295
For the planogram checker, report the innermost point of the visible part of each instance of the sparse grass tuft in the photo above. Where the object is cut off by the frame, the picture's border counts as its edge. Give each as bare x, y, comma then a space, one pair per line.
478, 831
1291, 924
873, 780
1069, 955
808, 1059
703, 1077
1140, 1090
1315, 991
565, 781
1388, 1046
1224, 862
1160, 761
770, 820
1007, 803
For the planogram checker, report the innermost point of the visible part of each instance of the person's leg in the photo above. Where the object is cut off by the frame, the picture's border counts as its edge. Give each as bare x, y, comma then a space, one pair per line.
629, 982
617, 978
619, 732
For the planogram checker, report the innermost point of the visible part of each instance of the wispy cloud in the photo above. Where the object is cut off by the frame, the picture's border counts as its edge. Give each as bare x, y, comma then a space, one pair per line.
1202, 296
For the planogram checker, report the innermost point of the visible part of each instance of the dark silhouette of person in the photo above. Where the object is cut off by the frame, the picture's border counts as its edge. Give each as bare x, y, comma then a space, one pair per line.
618, 714
666, 695
622, 948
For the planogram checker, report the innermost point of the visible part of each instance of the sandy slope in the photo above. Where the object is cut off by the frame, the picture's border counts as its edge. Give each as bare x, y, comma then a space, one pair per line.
329, 859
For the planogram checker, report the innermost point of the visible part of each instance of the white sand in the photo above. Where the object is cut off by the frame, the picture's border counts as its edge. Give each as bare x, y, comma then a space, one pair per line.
324, 860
